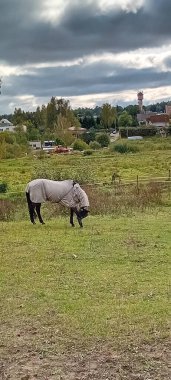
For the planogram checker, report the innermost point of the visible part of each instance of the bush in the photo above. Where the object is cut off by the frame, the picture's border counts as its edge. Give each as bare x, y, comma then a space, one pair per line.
121, 200
80, 175
41, 154
124, 148
59, 141
79, 145
12, 150
88, 152
88, 137
103, 139
94, 145
3, 187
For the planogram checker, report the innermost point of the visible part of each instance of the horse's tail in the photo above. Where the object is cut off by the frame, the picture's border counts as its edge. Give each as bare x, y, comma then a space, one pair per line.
30, 205
28, 198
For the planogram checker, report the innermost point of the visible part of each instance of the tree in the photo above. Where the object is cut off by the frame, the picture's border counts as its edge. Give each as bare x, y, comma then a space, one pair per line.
89, 136
125, 120
103, 139
51, 114
18, 117
32, 133
108, 116
62, 106
39, 119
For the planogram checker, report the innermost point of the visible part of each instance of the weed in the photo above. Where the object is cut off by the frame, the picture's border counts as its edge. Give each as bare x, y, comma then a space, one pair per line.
7, 209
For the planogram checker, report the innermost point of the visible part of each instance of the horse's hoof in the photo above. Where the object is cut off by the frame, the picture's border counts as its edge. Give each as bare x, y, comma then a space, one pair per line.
73, 225
42, 222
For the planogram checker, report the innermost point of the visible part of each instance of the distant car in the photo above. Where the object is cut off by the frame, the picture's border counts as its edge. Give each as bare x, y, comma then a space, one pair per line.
62, 149
113, 133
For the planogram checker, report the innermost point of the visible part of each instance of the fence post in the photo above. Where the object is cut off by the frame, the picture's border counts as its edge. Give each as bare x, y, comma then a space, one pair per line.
137, 185
169, 182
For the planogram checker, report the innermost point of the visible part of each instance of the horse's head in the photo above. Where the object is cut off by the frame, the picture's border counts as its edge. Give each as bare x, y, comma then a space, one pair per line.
83, 212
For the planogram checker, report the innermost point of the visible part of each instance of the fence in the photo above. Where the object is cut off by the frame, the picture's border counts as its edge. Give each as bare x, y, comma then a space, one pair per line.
117, 183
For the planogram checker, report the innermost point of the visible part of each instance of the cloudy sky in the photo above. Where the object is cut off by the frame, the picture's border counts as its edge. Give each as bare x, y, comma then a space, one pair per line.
90, 52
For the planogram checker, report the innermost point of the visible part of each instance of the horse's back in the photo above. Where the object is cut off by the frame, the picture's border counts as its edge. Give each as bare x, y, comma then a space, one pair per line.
42, 190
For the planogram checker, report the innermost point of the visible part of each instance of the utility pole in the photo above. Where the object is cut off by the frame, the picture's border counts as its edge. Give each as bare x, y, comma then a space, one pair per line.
0, 85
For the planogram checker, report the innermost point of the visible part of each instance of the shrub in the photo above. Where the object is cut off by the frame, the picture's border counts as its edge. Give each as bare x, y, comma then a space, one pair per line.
103, 139
88, 152
3, 187
12, 150
81, 175
41, 154
59, 141
124, 148
123, 200
79, 145
88, 137
94, 145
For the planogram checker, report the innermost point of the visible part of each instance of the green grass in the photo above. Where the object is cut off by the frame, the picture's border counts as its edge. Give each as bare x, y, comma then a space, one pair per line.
110, 280
152, 160
66, 294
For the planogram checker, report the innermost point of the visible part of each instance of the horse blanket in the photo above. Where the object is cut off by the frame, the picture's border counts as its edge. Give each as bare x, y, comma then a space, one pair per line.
66, 192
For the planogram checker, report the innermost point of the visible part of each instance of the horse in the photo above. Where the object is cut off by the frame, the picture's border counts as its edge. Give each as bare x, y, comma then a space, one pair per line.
68, 192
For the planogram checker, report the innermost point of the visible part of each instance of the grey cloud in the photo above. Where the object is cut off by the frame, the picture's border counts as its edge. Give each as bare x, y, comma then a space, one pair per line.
82, 30
76, 81
167, 62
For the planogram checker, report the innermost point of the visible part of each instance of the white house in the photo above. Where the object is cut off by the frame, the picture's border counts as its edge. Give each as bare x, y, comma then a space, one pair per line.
35, 144
6, 125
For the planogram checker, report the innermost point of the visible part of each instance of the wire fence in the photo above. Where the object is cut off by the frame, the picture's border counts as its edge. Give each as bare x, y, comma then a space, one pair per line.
117, 183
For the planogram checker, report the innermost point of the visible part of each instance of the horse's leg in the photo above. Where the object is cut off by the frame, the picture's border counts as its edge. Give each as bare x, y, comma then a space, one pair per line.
80, 221
31, 208
72, 217
38, 205
78, 217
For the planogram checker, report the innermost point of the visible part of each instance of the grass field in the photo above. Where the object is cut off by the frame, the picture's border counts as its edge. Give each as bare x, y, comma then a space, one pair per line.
152, 160
91, 303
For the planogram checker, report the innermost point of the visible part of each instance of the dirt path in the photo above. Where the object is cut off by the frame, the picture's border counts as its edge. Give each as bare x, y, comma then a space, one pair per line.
40, 359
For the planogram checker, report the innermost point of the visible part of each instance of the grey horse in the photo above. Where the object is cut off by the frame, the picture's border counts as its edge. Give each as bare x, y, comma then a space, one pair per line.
68, 192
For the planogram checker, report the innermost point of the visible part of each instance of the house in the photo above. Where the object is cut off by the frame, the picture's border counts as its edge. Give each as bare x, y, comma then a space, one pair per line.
35, 144
142, 117
6, 125
159, 120
77, 131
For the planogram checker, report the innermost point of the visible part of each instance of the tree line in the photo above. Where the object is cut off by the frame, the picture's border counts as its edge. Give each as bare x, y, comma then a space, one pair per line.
52, 121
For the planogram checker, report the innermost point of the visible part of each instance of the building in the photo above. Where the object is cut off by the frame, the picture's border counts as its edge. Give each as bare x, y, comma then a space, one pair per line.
35, 144
6, 125
140, 96
142, 117
159, 120
168, 109
77, 131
